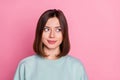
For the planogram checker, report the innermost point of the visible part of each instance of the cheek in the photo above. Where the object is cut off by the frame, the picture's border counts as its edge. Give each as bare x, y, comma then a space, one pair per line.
60, 37
44, 36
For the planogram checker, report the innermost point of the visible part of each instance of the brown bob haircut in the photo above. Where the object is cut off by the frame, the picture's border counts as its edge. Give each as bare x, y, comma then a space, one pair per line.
38, 45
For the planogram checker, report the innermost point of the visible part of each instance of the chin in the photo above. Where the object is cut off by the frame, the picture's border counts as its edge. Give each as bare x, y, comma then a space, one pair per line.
52, 47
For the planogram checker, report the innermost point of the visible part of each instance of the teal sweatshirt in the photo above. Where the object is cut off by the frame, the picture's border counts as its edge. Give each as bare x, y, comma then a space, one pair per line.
38, 68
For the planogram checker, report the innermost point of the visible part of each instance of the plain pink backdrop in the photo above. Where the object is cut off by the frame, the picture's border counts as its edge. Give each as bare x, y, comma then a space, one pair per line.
94, 29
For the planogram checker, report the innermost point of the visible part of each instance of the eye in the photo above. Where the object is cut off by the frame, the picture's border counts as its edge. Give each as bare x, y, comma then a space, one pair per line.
46, 29
58, 30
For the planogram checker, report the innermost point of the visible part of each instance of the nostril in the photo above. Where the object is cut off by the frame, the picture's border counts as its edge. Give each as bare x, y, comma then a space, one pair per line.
52, 34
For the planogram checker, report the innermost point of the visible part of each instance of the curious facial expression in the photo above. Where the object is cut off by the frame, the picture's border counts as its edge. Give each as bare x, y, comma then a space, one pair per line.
52, 34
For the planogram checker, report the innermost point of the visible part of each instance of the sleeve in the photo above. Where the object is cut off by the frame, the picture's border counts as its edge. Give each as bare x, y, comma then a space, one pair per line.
20, 72
83, 73
80, 72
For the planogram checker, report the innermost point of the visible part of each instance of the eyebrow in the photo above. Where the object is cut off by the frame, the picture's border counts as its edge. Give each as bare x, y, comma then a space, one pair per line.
55, 27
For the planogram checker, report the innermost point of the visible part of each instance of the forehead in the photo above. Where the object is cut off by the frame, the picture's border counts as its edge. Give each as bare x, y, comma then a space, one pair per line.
52, 22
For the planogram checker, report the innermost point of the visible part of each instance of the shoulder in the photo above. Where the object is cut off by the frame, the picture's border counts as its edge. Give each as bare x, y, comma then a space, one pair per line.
74, 61
77, 67
28, 60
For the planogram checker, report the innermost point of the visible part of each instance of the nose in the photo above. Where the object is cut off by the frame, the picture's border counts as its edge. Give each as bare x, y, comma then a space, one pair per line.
52, 34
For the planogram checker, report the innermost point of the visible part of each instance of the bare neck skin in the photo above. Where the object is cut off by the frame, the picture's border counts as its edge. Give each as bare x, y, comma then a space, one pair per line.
52, 53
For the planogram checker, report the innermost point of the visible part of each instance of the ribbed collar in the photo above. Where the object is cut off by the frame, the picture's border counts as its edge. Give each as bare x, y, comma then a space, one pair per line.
48, 61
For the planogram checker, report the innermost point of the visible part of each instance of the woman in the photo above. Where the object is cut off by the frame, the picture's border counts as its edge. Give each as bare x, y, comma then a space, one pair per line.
51, 46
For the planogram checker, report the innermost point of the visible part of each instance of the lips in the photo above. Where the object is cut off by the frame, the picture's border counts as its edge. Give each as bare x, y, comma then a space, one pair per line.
51, 41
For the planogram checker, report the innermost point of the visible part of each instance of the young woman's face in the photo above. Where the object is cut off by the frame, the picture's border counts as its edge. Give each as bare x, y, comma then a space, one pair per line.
52, 34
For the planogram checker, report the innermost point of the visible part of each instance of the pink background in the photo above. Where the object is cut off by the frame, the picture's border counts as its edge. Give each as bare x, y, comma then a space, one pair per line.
94, 29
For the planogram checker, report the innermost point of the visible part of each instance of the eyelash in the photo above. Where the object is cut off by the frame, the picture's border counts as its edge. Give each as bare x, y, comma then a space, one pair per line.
59, 29
47, 29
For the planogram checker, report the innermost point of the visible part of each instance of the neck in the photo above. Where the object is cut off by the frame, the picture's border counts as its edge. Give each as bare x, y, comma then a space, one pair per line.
52, 53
